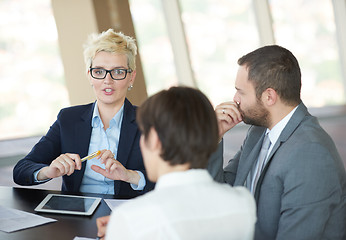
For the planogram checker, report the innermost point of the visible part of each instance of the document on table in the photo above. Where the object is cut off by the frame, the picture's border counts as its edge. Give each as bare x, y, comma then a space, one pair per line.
84, 238
113, 203
12, 220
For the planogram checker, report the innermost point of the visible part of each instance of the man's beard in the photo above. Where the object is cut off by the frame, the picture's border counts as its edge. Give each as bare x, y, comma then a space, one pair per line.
256, 115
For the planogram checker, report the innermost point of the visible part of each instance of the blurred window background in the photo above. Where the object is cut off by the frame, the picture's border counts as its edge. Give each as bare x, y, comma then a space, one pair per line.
31, 73
217, 32
311, 36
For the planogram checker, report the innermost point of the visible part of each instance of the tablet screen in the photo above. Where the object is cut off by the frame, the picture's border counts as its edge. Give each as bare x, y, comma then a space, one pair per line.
68, 204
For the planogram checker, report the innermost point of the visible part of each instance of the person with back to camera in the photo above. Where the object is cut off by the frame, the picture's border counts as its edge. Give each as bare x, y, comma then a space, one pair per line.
179, 133
108, 125
288, 162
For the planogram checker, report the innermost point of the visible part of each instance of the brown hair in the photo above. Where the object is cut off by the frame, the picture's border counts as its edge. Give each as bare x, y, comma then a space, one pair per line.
185, 122
274, 67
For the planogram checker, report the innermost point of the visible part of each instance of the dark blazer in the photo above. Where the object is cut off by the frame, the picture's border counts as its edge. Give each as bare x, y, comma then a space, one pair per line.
301, 193
71, 133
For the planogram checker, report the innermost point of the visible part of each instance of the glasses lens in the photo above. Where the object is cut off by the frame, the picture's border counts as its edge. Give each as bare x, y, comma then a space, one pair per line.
98, 73
116, 74
119, 73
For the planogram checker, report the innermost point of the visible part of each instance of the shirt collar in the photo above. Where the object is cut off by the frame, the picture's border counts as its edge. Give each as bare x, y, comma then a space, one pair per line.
116, 120
183, 178
275, 132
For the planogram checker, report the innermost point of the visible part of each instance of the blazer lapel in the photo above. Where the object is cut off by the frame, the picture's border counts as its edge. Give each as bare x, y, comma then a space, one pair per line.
249, 155
127, 135
82, 139
291, 126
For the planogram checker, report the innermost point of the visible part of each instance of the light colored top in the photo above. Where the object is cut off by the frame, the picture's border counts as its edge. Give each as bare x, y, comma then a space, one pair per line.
104, 139
186, 205
275, 132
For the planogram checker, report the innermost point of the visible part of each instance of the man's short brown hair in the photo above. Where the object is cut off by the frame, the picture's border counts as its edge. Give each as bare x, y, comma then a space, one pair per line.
185, 122
274, 67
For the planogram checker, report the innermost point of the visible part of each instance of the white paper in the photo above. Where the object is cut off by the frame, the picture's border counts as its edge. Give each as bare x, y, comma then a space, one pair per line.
84, 238
13, 220
113, 203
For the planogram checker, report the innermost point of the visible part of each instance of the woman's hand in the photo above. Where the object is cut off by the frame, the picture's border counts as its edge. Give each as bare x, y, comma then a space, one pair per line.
65, 164
114, 169
228, 115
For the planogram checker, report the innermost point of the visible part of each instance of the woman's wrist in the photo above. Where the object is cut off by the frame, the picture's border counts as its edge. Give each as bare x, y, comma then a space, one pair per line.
133, 177
41, 176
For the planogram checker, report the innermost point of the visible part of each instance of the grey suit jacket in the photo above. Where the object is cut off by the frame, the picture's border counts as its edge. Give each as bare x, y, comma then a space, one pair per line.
301, 193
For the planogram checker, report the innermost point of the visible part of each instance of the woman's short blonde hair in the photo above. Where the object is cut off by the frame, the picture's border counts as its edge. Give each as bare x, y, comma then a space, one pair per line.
112, 42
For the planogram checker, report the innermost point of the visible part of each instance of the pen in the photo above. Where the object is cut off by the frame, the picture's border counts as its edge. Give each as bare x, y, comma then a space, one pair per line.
94, 154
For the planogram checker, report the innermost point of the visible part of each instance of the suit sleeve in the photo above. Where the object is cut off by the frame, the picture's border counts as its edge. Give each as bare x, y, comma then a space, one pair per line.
41, 155
313, 191
215, 164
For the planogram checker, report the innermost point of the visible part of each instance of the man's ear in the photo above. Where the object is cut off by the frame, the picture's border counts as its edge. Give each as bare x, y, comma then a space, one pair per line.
154, 140
269, 97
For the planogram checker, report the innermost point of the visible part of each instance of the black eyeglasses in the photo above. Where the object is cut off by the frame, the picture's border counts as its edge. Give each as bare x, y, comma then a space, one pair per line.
116, 74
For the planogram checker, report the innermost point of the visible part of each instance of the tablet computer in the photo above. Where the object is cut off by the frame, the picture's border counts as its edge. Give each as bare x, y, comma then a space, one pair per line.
68, 204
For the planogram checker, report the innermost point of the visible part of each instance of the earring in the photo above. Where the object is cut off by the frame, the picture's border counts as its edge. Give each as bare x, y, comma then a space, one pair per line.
129, 88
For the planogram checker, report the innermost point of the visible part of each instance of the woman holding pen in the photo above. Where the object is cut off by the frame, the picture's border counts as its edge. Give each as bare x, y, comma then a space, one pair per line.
106, 128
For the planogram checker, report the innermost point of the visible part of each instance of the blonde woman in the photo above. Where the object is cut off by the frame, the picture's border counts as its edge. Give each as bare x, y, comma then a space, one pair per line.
108, 125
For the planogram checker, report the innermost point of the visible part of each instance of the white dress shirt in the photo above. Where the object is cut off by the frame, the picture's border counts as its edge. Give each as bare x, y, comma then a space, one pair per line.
186, 205
275, 132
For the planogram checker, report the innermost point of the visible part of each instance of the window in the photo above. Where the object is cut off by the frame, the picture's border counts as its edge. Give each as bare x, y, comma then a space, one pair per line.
154, 45
307, 28
31, 73
218, 33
